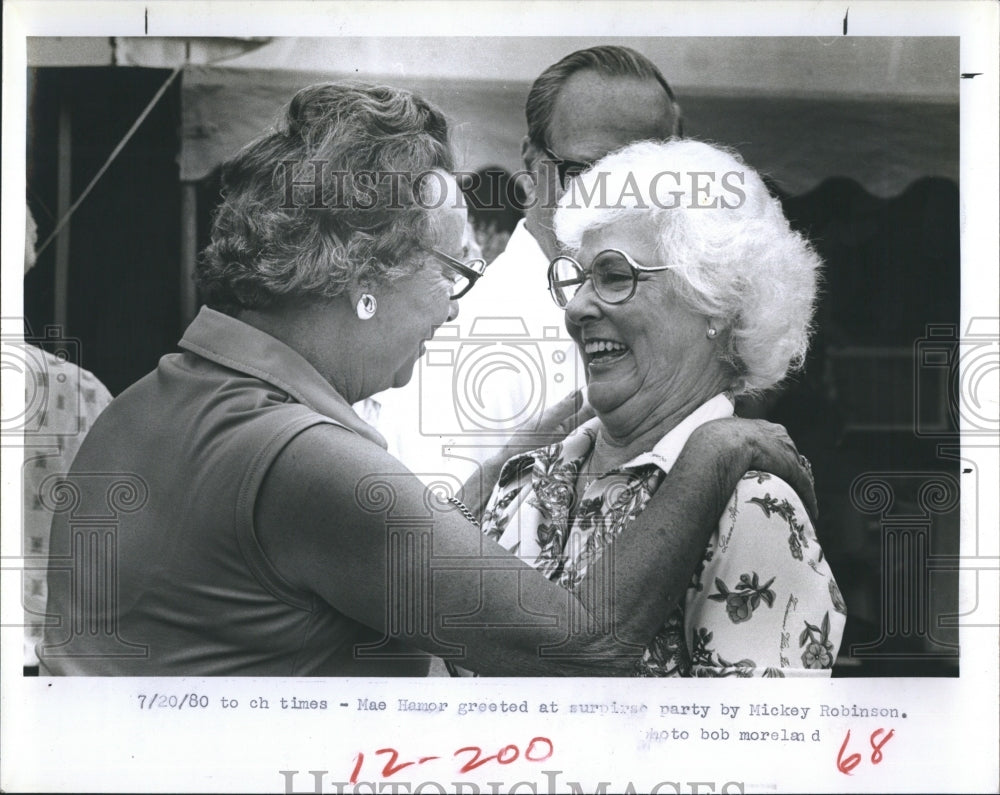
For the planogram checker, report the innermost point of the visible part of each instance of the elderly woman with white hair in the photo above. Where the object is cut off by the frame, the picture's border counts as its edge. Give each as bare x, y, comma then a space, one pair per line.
683, 287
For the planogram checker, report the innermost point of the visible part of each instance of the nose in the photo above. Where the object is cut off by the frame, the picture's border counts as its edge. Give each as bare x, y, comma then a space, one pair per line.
452, 310
585, 305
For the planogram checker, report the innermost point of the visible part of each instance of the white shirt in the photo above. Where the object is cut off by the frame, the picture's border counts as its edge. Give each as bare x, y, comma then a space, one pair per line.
504, 360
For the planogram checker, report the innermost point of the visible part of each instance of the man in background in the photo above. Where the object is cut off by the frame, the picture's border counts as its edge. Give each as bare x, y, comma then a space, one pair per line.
495, 204
508, 356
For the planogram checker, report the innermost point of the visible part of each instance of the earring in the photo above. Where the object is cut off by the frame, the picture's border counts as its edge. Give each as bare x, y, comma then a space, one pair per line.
711, 333
367, 306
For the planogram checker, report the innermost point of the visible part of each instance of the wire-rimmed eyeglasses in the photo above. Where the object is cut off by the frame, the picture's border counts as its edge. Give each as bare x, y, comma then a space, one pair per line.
466, 273
614, 274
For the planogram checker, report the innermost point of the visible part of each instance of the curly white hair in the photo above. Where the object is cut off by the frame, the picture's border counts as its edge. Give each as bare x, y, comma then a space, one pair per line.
718, 228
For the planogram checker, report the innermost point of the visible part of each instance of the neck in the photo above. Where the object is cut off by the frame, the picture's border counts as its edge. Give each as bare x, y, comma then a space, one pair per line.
297, 328
622, 438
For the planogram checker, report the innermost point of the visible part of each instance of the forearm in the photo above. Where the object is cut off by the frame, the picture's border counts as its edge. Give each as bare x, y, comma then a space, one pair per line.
382, 550
627, 592
648, 567
375, 545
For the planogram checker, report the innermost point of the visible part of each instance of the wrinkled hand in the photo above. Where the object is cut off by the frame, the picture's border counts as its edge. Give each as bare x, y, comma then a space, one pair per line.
566, 416
762, 446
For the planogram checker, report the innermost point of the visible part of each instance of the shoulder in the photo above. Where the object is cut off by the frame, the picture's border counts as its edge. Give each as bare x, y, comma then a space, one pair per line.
765, 502
64, 374
331, 454
772, 496
765, 508
324, 487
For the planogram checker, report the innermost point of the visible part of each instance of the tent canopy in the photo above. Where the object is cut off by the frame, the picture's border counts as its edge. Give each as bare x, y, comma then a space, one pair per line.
885, 144
881, 111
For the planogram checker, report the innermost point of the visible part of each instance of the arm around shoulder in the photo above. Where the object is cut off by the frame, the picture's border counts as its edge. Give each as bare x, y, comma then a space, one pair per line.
336, 516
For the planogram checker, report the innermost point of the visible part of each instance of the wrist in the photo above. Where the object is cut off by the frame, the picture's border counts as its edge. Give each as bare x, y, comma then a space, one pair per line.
726, 442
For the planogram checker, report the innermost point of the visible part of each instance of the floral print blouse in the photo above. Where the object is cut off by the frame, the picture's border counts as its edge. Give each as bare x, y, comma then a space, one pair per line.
762, 601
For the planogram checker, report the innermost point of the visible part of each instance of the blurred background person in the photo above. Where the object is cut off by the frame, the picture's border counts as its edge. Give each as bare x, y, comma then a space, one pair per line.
63, 400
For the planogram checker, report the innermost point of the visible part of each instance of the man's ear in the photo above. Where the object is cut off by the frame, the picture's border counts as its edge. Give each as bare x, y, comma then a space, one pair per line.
529, 153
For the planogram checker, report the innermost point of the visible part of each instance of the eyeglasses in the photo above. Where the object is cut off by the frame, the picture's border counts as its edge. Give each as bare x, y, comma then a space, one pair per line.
466, 273
567, 169
614, 274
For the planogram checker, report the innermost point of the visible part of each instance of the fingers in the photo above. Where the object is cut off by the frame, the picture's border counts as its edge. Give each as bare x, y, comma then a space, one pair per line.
560, 417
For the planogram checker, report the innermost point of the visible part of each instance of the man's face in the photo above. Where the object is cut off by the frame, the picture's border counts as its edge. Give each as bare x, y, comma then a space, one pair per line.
592, 115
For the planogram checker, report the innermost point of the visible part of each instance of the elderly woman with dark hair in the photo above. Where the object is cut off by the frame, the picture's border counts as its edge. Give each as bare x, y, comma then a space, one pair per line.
258, 525
685, 288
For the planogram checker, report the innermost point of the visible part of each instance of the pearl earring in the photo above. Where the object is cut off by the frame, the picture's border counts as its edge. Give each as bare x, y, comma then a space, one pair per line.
711, 333
367, 306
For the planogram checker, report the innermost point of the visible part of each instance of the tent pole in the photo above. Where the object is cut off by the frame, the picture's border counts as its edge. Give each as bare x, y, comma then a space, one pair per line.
63, 188
189, 251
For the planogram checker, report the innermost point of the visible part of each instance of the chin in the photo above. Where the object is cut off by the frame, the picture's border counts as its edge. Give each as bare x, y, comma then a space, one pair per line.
403, 377
604, 397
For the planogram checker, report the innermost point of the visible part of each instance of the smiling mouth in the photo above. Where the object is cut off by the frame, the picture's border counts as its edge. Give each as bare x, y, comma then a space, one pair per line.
604, 351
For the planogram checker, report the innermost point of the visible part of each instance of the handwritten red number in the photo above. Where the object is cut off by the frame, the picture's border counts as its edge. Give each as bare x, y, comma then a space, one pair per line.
391, 768
845, 766
538, 750
531, 747
357, 768
877, 746
475, 762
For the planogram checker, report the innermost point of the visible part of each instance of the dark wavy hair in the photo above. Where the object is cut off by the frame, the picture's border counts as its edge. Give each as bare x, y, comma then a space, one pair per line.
609, 60
277, 236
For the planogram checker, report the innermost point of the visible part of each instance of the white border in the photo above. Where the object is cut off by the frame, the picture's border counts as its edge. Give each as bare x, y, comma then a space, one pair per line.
87, 735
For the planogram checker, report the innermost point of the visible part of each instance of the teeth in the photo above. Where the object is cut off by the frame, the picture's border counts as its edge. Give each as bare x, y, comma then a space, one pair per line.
603, 346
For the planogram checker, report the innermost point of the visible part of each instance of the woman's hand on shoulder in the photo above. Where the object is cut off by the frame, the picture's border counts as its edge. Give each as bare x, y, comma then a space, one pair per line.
758, 445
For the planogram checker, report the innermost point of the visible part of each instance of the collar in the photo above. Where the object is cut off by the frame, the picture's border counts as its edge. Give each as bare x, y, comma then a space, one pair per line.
239, 346
666, 451
663, 455
576, 446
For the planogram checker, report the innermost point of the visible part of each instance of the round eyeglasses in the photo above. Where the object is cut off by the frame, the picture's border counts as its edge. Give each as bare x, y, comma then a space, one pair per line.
464, 275
614, 274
